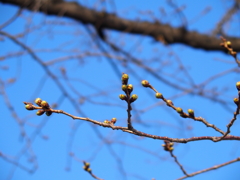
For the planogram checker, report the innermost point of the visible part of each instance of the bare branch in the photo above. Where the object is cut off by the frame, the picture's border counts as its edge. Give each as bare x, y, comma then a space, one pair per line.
156, 30
211, 168
134, 131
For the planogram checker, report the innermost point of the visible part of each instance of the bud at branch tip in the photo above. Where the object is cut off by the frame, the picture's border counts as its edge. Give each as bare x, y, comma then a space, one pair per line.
145, 83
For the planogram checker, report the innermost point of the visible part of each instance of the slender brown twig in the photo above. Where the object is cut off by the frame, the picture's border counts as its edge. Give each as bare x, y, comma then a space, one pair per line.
183, 114
136, 132
178, 163
211, 168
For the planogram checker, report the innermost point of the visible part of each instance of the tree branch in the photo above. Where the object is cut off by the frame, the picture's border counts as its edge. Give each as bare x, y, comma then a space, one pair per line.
134, 131
156, 30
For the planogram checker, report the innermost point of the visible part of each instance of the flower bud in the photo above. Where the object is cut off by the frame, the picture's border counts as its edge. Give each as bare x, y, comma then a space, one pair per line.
125, 78
29, 107
106, 121
86, 168
38, 101
114, 120
229, 43
159, 95
191, 112
179, 110
45, 104
168, 146
169, 103
133, 98
87, 164
236, 101
238, 85
40, 112
122, 97
145, 83
124, 87
130, 88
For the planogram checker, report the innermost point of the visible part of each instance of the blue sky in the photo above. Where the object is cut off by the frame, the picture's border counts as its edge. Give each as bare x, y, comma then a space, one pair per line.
92, 80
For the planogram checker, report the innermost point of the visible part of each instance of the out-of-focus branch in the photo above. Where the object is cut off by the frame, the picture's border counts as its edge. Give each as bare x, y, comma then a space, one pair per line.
11, 19
47, 70
226, 18
156, 30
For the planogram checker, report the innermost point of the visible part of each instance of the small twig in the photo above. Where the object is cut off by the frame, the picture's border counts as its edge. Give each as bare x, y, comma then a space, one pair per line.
181, 167
232, 120
47, 70
182, 114
209, 169
228, 45
128, 88
86, 167
228, 15
168, 146
11, 19
16, 163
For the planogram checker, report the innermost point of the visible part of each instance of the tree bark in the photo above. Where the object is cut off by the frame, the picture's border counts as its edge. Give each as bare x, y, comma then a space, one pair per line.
160, 32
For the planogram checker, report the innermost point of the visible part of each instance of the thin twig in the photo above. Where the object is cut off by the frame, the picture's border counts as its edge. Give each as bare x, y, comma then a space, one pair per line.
211, 168
185, 115
181, 167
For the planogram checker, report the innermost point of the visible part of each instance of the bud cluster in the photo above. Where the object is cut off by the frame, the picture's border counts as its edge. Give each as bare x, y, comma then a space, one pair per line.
43, 104
228, 45
113, 121
86, 167
127, 88
168, 146
236, 100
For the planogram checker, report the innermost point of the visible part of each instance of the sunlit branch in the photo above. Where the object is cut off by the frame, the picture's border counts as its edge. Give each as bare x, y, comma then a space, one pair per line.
211, 168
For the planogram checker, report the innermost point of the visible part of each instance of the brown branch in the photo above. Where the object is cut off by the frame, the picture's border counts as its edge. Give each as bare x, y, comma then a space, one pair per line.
179, 110
168, 146
47, 70
134, 131
13, 161
228, 45
155, 30
15, 16
181, 167
139, 62
227, 16
86, 167
209, 169
232, 120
